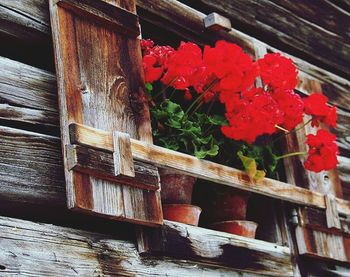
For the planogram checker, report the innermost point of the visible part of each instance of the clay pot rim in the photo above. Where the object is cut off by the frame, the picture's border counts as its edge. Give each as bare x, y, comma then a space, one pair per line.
235, 221
183, 205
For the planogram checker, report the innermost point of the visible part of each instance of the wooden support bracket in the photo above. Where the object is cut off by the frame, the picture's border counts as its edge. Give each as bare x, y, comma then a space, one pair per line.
216, 22
332, 215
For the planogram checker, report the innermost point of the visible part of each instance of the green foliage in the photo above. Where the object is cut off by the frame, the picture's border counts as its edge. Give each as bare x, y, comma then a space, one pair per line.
174, 129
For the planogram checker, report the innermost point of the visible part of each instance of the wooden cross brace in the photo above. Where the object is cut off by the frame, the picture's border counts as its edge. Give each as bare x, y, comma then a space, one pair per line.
117, 166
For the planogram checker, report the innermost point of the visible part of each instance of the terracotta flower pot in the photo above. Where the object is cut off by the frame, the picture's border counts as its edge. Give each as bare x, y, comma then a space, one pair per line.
176, 188
237, 227
228, 204
184, 213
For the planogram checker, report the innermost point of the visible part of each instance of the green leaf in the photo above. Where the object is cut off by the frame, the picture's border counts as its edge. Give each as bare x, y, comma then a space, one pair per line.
217, 120
149, 87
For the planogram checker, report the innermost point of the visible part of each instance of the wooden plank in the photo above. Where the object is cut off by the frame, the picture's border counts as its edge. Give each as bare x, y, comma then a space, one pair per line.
344, 175
100, 83
31, 171
318, 244
35, 249
101, 164
179, 18
203, 169
316, 219
193, 243
282, 28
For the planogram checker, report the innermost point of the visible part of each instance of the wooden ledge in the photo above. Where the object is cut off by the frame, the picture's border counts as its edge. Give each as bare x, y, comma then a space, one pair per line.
194, 243
217, 173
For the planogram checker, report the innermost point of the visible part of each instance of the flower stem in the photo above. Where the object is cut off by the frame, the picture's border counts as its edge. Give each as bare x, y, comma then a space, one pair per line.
291, 155
163, 90
286, 132
201, 96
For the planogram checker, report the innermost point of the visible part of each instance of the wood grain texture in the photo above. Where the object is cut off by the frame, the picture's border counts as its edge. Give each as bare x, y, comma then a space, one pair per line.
178, 18
122, 156
31, 171
322, 245
276, 23
101, 164
316, 219
203, 169
193, 243
32, 249
100, 84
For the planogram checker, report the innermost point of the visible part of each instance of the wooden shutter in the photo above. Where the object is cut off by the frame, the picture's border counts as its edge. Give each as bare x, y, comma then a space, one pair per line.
100, 84
321, 234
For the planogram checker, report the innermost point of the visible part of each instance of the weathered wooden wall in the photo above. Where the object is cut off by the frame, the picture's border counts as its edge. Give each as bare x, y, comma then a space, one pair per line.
31, 174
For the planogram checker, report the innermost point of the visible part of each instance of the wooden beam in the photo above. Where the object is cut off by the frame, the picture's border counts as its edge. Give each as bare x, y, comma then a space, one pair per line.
203, 169
101, 164
194, 243
36, 249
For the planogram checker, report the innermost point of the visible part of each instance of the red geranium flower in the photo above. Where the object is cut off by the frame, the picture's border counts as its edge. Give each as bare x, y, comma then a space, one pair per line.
322, 151
292, 106
278, 72
154, 58
253, 114
184, 66
316, 106
151, 70
227, 61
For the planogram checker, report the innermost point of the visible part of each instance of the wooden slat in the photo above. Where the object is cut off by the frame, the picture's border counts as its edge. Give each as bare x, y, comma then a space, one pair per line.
100, 83
101, 164
316, 219
203, 169
319, 244
193, 243
33, 249
31, 171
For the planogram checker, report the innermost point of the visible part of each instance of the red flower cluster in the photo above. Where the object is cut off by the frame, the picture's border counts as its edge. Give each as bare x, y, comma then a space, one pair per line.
292, 107
227, 72
251, 115
278, 72
184, 68
316, 106
233, 68
322, 151
154, 59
